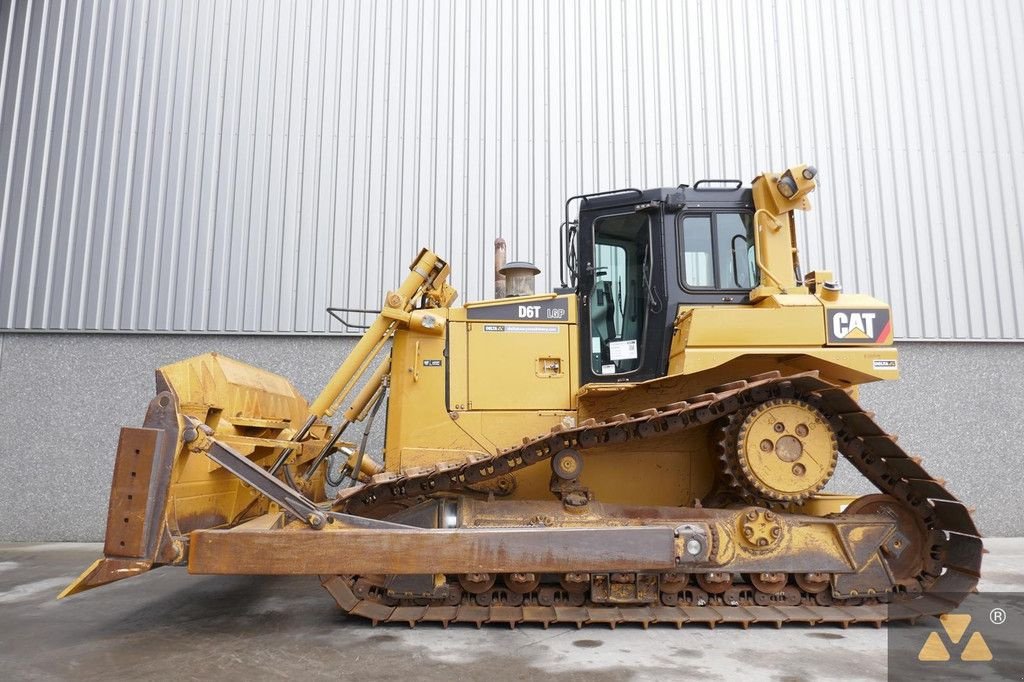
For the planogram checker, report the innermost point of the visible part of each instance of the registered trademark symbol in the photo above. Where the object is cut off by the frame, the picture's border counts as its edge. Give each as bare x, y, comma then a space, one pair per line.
997, 616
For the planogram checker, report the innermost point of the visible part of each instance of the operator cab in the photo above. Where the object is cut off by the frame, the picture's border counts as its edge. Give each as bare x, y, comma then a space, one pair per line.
633, 257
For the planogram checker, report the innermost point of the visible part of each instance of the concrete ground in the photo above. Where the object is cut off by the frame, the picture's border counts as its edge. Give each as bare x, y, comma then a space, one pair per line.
169, 624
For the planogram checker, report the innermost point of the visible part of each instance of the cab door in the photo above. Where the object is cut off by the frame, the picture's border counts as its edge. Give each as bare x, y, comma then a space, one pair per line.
622, 294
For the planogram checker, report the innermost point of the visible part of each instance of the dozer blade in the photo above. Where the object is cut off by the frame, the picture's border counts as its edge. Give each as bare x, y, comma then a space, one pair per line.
136, 530
103, 571
162, 490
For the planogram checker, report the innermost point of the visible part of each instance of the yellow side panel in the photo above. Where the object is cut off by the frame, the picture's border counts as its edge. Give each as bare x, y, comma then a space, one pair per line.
842, 365
417, 417
479, 432
518, 366
719, 326
672, 471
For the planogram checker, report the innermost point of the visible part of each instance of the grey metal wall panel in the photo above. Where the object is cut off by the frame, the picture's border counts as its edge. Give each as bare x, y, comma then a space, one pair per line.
237, 166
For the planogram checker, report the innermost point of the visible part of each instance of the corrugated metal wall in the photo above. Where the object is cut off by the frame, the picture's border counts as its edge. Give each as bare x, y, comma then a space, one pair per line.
238, 166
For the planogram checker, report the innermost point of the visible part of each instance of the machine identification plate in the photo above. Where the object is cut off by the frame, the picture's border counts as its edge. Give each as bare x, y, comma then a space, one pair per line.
521, 328
859, 326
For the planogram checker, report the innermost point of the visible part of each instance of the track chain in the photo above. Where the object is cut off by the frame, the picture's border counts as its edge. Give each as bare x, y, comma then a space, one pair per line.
951, 569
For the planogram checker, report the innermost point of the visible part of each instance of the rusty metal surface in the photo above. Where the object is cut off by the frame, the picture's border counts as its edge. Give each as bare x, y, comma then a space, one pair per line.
129, 492
137, 536
161, 414
650, 539
705, 615
429, 551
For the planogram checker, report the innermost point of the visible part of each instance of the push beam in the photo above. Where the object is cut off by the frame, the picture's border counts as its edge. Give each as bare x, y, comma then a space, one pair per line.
302, 551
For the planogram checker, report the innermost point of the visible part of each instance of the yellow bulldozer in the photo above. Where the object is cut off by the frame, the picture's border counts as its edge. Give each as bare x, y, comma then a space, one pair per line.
647, 444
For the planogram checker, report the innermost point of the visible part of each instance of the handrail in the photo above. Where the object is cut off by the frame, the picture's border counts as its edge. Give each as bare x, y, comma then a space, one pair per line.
569, 227
737, 184
333, 312
757, 245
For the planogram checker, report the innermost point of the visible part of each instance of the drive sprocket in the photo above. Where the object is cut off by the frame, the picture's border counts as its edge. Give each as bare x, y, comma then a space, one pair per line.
781, 451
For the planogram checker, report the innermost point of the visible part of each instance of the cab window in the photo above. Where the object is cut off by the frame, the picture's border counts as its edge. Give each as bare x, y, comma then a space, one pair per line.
717, 251
697, 252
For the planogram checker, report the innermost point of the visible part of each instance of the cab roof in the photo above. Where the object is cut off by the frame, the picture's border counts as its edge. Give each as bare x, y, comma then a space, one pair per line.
701, 195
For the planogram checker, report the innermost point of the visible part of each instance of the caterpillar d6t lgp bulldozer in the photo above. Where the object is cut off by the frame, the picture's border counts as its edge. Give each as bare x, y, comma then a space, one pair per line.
648, 444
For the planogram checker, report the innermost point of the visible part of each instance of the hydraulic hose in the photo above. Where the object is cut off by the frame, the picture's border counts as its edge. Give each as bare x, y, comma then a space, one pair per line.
366, 437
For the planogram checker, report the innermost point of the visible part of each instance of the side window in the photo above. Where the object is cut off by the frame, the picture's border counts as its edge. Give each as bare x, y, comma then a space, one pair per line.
736, 269
697, 252
718, 251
